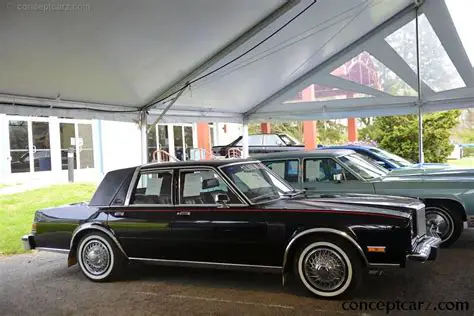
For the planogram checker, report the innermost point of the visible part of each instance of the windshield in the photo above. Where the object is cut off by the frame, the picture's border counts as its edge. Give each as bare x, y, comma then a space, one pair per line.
399, 161
288, 140
363, 167
257, 182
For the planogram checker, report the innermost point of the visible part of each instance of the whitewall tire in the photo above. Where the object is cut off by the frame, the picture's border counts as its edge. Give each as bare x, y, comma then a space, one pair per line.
328, 268
98, 257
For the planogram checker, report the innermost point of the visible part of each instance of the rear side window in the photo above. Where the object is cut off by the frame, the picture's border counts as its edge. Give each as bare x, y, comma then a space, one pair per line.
287, 169
153, 187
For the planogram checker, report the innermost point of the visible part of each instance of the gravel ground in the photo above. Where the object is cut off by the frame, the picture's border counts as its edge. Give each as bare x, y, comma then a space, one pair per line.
41, 284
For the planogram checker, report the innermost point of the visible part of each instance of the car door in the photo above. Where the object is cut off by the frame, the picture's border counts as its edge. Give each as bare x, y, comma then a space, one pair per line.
320, 176
143, 224
205, 231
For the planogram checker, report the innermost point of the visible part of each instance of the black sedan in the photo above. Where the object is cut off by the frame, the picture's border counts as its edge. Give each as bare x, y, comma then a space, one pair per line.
233, 214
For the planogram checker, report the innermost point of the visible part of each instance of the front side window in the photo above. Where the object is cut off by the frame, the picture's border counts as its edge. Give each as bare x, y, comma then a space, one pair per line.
324, 170
287, 169
153, 187
202, 187
256, 182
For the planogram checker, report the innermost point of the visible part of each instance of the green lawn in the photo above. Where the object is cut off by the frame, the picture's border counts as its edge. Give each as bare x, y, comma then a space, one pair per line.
17, 210
467, 162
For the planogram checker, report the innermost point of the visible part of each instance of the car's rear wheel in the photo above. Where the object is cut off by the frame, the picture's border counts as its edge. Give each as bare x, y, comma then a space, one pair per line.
447, 223
329, 267
99, 258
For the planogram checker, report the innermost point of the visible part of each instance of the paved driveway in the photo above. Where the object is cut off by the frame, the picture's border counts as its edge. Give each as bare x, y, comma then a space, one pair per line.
41, 284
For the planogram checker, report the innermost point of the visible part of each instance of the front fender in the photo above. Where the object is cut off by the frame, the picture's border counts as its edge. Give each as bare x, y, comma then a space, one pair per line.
299, 233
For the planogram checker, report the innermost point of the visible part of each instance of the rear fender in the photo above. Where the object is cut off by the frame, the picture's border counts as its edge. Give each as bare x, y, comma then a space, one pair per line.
85, 228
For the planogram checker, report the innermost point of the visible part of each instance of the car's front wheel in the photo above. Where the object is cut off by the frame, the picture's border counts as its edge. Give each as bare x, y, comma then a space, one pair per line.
446, 222
329, 267
99, 258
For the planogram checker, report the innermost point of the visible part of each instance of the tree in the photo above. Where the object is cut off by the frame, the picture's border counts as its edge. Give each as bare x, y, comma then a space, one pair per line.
399, 135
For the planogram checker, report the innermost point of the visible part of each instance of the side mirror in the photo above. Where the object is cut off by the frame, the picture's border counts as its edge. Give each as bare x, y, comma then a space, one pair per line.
222, 199
380, 163
337, 177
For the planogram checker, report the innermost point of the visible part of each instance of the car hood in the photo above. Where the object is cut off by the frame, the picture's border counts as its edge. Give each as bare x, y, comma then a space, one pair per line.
366, 203
430, 174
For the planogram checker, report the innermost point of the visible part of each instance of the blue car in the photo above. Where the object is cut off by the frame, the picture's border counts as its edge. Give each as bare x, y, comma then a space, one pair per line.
385, 159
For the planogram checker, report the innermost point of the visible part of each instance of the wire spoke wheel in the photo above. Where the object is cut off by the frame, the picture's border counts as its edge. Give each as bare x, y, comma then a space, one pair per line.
96, 257
325, 269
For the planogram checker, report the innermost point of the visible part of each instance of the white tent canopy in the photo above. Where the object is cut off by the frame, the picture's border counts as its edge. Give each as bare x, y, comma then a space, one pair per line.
110, 59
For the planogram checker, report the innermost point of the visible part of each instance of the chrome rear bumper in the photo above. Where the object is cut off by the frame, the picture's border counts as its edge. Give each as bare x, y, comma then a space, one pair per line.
28, 242
425, 249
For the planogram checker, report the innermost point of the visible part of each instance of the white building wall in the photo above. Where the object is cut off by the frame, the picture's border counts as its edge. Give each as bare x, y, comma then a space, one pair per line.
121, 146
227, 132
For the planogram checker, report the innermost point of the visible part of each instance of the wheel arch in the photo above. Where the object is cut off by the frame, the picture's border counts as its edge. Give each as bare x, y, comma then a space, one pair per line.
303, 235
81, 231
447, 202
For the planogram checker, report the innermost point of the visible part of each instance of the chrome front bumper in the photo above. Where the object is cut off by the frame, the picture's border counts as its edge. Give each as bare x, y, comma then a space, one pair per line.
28, 242
425, 249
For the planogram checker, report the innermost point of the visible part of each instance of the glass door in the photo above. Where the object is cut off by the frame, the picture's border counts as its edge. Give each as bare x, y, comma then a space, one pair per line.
19, 146
178, 142
80, 137
41, 146
67, 133
30, 147
188, 141
84, 145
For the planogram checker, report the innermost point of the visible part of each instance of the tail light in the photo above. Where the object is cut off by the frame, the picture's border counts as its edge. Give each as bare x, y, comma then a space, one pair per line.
33, 227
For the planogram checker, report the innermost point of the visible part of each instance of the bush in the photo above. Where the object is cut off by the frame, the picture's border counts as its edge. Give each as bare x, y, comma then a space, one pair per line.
399, 135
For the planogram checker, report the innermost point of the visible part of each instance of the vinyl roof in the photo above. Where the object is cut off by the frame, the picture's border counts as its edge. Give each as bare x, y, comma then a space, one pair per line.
108, 59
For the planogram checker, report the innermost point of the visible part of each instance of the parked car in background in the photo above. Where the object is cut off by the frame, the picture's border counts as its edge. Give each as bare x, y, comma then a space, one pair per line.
233, 215
261, 143
448, 194
386, 159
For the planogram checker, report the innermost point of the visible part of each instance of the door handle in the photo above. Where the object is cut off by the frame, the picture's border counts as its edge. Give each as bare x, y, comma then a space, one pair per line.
183, 213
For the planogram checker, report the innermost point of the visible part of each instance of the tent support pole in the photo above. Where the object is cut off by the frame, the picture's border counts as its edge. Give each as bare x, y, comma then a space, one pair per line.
143, 137
421, 156
245, 139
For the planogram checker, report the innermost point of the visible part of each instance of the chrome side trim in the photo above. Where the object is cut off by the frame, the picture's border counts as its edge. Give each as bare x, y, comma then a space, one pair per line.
56, 250
95, 226
205, 264
323, 230
381, 265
